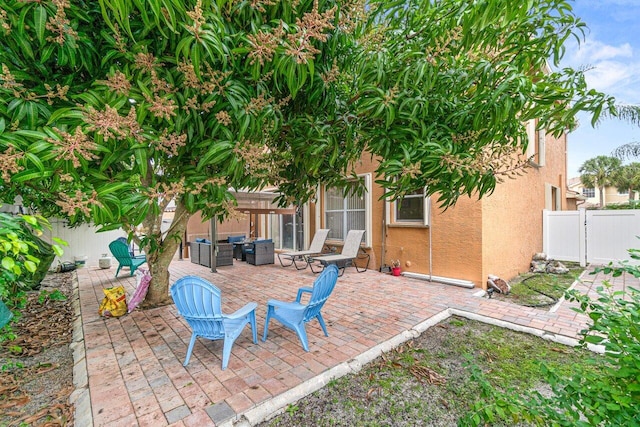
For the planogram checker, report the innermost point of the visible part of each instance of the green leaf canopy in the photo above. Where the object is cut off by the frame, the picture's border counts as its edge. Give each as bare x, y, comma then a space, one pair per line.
115, 107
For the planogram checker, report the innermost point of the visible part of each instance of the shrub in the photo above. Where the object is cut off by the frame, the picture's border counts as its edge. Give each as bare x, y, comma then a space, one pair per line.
631, 204
606, 392
22, 253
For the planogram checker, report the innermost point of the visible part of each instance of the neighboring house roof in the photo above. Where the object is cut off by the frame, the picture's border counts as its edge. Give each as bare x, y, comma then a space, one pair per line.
571, 194
573, 182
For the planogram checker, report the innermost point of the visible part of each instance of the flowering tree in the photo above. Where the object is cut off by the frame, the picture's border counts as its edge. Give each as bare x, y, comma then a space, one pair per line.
114, 108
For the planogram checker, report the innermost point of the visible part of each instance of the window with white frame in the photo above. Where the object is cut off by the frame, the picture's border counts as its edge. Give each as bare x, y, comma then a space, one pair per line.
589, 192
623, 192
536, 144
412, 209
345, 209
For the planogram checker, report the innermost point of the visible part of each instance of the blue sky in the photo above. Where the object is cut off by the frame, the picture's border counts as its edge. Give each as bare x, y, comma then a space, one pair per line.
611, 51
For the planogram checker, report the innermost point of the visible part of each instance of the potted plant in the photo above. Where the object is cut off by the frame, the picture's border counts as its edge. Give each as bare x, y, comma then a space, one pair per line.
395, 267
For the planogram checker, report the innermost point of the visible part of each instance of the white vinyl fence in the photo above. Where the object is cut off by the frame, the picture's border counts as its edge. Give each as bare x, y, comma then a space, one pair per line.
84, 241
591, 236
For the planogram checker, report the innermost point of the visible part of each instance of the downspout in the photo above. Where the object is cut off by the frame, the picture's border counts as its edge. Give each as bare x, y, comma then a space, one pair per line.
384, 234
430, 248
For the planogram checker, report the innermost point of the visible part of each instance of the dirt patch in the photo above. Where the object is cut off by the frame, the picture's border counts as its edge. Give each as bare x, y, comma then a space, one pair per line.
426, 382
37, 366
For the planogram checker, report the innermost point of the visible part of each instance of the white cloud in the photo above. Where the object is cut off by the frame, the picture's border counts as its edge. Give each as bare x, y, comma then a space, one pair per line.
606, 75
611, 69
593, 50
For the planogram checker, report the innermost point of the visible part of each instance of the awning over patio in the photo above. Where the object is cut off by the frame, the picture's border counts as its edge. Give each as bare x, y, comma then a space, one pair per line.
261, 202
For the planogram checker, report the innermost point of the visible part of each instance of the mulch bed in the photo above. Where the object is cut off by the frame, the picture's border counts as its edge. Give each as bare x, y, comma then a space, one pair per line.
37, 366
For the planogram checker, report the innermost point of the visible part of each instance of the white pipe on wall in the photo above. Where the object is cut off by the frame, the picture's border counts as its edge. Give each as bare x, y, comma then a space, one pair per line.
445, 280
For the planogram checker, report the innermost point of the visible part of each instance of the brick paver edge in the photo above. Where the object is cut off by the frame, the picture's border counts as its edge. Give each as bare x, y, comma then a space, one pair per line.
80, 398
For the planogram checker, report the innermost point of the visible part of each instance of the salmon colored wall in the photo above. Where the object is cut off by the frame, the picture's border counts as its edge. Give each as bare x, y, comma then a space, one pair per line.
197, 228
457, 240
512, 215
496, 235
410, 245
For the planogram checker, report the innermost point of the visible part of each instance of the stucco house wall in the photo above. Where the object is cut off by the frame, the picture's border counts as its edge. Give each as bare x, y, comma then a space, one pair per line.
495, 235
512, 215
457, 241
197, 228
613, 195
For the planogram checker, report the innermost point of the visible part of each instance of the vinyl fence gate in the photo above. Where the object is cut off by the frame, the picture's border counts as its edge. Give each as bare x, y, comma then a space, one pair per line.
591, 236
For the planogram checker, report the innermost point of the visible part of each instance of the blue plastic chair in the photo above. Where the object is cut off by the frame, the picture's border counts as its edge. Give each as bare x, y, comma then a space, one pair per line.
121, 252
294, 315
198, 301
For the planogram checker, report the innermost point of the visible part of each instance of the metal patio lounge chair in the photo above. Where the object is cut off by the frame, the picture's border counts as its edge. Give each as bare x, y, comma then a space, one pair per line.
317, 244
350, 251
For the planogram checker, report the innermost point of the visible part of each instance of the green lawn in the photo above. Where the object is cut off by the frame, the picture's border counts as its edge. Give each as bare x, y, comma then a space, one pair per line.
541, 290
426, 381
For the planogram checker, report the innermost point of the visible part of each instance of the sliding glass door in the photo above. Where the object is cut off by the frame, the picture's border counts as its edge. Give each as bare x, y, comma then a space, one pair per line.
287, 231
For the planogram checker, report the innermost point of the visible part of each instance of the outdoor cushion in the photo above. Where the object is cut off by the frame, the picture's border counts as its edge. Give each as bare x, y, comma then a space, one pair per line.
236, 239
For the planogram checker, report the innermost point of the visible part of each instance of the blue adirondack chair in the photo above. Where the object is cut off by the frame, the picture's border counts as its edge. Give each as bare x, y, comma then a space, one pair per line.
120, 252
294, 315
198, 301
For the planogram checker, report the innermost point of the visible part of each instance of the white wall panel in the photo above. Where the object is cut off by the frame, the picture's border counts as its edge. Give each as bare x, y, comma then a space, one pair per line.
594, 236
561, 240
83, 240
610, 234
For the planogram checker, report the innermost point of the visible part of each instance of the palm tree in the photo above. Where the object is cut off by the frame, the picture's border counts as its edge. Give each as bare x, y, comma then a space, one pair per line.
628, 178
598, 173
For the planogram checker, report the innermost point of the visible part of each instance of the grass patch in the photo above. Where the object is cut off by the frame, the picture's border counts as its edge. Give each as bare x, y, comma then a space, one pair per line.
425, 381
541, 290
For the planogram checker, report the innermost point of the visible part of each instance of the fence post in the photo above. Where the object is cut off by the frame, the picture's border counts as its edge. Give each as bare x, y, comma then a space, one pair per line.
545, 231
583, 238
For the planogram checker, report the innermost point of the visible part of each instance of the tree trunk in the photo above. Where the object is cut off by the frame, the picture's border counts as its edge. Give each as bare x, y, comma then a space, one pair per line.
160, 259
602, 202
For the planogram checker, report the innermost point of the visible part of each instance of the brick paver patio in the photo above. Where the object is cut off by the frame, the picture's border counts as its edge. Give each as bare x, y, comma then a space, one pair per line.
128, 371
